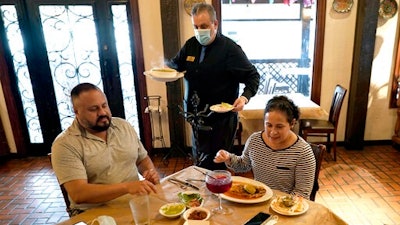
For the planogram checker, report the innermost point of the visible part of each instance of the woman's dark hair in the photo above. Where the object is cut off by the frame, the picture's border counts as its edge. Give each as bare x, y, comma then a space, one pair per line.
283, 104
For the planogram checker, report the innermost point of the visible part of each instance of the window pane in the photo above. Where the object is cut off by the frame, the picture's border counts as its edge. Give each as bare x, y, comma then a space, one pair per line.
71, 44
14, 38
121, 34
277, 38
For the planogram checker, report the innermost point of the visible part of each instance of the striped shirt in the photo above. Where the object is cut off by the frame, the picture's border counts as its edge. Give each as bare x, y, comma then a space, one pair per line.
291, 170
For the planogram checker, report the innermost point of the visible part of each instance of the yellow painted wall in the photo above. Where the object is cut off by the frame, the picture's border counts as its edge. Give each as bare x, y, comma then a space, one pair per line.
380, 119
336, 67
339, 41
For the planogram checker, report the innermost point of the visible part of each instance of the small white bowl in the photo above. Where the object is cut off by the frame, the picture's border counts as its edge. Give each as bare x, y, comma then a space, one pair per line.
163, 72
188, 212
172, 210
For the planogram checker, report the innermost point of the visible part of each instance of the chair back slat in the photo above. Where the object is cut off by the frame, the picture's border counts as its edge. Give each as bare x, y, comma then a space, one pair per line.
319, 151
270, 88
336, 105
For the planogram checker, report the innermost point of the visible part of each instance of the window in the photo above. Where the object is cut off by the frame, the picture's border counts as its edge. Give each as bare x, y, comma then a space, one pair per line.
280, 40
61, 45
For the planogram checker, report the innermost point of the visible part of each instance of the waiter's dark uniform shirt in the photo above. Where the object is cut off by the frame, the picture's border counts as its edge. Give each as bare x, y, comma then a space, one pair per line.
216, 79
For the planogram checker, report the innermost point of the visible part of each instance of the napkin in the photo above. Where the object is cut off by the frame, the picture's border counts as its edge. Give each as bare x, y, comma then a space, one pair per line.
198, 222
273, 220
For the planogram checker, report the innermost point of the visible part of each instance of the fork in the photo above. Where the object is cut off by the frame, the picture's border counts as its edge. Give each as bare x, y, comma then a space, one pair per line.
178, 184
190, 179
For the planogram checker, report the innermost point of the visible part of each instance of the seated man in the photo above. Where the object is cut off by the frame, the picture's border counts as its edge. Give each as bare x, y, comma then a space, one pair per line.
99, 157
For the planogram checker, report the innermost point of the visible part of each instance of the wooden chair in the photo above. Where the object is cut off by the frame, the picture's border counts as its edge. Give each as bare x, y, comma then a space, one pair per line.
324, 128
269, 87
238, 135
266, 85
319, 151
64, 192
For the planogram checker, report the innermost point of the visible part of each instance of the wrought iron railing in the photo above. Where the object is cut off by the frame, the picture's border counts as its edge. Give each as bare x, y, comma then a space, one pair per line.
277, 70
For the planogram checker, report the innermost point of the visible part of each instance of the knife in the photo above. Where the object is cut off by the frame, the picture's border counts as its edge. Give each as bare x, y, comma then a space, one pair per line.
184, 183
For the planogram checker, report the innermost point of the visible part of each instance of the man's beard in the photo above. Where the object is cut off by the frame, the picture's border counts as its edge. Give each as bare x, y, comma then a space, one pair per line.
101, 127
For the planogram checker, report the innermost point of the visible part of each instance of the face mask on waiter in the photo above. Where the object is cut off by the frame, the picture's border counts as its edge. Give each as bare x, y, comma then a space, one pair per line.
203, 36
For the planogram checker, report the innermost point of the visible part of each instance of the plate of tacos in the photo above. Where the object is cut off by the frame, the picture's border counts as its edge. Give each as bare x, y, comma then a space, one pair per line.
221, 108
248, 191
289, 205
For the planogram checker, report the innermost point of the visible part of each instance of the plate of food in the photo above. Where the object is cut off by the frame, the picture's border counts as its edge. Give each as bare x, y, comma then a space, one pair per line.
248, 191
289, 205
164, 74
191, 199
221, 108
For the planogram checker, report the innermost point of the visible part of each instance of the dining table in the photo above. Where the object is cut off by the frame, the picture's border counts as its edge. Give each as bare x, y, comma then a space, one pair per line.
252, 115
167, 192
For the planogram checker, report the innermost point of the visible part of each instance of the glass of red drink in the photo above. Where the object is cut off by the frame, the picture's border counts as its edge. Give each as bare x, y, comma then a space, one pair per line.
219, 181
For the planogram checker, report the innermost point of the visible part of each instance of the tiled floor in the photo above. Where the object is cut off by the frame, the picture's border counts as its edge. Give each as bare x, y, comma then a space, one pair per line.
363, 187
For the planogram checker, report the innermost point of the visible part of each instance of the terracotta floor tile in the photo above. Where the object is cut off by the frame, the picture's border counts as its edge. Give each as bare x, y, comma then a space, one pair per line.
374, 203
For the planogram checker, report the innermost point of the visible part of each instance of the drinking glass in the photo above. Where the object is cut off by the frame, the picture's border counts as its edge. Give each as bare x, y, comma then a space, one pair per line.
139, 205
219, 181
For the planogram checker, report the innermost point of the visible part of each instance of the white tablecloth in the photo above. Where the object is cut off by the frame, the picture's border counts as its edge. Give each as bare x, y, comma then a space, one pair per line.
252, 116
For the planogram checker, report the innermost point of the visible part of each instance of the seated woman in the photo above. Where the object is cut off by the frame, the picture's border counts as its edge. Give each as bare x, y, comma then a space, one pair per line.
277, 156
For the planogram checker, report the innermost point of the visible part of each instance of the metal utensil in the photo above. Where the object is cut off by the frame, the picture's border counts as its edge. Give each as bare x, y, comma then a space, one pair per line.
204, 173
187, 184
178, 184
190, 179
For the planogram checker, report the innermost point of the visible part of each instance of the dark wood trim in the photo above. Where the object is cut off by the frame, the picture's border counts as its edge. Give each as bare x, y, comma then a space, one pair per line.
11, 104
217, 6
318, 52
141, 80
395, 91
363, 56
171, 43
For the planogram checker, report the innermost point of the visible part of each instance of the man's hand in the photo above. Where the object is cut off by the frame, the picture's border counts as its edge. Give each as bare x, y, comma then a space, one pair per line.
141, 187
152, 176
146, 168
239, 104
82, 192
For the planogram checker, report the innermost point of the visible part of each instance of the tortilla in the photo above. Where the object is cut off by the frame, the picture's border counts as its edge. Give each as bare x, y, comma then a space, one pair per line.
298, 205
